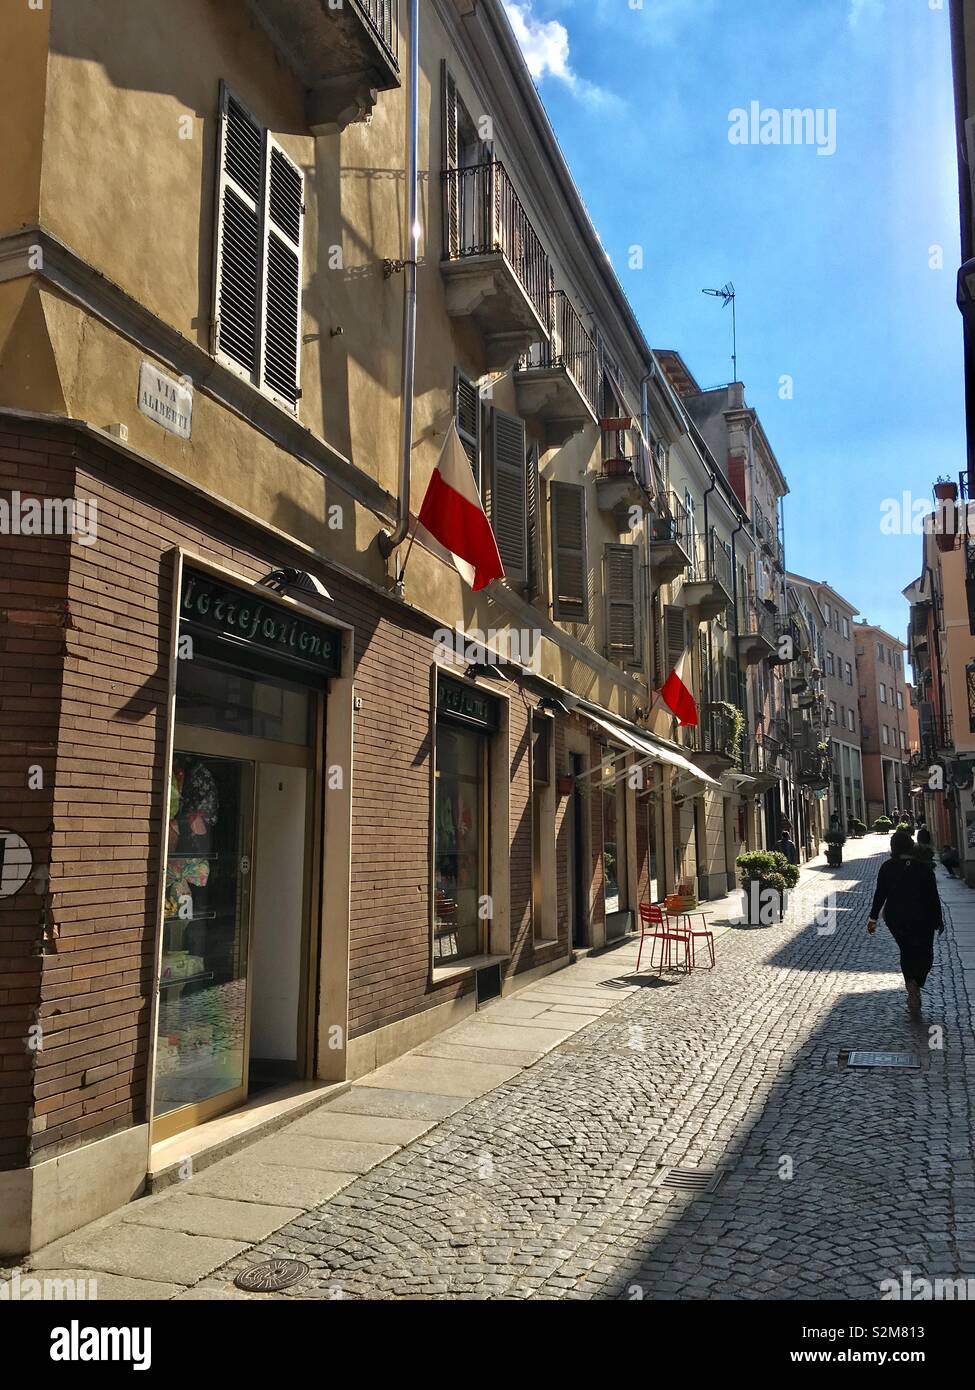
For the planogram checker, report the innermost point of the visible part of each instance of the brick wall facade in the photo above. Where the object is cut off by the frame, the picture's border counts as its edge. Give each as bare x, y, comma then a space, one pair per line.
97, 620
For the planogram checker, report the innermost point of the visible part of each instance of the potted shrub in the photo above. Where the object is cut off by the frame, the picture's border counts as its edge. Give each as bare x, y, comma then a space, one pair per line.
883, 825
565, 784
763, 884
835, 840
616, 467
945, 490
857, 828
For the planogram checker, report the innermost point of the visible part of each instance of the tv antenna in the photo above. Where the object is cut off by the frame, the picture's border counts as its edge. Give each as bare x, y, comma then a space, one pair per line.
727, 296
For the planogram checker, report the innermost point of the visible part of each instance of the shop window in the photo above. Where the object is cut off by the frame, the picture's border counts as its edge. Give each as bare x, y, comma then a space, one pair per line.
544, 923
613, 793
466, 718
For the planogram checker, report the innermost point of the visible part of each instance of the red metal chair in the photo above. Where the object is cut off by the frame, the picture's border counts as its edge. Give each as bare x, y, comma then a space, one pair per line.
685, 916
655, 924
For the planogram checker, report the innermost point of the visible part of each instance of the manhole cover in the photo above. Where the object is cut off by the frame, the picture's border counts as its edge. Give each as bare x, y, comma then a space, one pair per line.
908, 1060
271, 1277
690, 1179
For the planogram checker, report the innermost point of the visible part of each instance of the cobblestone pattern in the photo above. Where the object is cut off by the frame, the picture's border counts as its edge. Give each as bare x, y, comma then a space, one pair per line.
547, 1186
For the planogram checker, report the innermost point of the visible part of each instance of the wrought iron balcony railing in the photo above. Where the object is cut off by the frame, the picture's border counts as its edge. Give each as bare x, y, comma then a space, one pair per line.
383, 18
485, 216
570, 346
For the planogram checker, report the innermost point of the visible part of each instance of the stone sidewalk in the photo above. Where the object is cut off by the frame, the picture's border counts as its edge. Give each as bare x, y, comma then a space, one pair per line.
520, 1154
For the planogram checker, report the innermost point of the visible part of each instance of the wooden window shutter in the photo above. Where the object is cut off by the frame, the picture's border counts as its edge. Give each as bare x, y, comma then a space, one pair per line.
570, 573
507, 503
657, 675
467, 412
450, 145
238, 258
622, 603
282, 275
533, 507
675, 638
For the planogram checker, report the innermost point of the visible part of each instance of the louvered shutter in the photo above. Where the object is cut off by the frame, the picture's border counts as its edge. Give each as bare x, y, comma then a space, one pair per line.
622, 606
467, 413
570, 575
282, 274
675, 638
237, 253
533, 507
451, 197
507, 509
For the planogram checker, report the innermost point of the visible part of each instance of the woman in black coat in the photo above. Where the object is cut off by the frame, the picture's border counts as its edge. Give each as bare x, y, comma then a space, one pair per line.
908, 895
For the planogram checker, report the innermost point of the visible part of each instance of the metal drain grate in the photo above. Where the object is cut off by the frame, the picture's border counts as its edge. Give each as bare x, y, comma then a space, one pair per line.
909, 1061
690, 1179
272, 1276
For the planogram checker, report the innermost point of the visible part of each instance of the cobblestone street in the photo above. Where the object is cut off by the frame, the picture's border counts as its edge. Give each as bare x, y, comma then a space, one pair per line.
834, 1180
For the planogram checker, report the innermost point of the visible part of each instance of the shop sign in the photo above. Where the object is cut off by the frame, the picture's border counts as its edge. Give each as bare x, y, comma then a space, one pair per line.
167, 401
208, 604
464, 702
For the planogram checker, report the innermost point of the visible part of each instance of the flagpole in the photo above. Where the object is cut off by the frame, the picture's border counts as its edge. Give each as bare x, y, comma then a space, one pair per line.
409, 551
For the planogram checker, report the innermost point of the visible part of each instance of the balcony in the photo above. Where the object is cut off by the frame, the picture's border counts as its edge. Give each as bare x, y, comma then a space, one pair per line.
344, 55
558, 381
624, 485
717, 745
495, 269
671, 543
709, 587
814, 770
786, 651
757, 638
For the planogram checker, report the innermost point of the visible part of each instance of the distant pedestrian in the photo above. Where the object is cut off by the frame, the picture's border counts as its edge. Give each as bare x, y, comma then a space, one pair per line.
907, 894
923, 836
895, 816
787, 847
834, 821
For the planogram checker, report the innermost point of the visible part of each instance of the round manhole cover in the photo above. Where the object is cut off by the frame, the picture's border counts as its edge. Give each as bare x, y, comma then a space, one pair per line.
271, 1277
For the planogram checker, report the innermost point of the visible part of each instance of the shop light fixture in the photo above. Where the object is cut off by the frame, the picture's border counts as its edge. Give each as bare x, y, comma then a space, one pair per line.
288, 578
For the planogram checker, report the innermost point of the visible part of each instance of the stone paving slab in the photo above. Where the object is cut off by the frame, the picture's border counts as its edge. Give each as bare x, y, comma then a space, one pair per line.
524, 1036
208, 1216
271, 1184
376, 1129
296, 1150
460, 1052
397, 1104
443, 1076
140, 1252
101, 1287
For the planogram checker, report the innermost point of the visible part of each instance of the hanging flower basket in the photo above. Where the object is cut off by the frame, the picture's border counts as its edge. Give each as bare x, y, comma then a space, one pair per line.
565, 784
946, 491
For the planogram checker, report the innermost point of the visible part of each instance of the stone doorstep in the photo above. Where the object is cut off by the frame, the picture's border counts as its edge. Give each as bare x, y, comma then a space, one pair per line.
262, 1116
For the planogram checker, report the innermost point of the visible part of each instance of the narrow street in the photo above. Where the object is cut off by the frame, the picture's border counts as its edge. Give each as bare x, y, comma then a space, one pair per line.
832, 1180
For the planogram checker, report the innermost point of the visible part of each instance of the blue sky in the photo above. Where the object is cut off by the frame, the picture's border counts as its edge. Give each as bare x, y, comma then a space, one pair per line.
829, 254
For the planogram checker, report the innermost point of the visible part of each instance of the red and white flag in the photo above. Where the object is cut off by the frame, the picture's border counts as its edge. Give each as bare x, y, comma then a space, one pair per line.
452, 514
678, 699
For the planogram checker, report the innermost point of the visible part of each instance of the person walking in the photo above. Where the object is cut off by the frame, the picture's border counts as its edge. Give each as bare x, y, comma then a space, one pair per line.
788, 848
923, 833
907, 894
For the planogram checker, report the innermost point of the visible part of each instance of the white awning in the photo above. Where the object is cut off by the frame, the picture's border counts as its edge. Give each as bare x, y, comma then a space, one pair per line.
650, 749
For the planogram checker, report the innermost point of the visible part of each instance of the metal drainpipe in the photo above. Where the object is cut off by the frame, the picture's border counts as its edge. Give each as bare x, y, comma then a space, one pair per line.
388, 541
707, 558
647, 575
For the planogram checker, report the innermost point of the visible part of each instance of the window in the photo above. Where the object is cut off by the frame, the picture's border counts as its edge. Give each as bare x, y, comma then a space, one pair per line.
849, 673
621, 570
829, 664
832, 711
826, 613
880, 651
257, 255
613, 796
900, 700
467, 413
885, 734
846, 628
570, 572
883, 693
505, 495
903, 739
851, 721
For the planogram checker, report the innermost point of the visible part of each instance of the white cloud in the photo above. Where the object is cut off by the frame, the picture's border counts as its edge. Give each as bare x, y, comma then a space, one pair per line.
545, 44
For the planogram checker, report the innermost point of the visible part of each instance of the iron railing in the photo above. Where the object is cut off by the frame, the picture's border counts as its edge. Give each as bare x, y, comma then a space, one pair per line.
382, 17
484, 216
713, 562
570, 346
672, 523
754, 617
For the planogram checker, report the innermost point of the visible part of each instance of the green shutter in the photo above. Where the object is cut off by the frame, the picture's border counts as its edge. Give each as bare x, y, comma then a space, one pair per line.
622, 603
570, 573
534, 510
467, 412
675, 637
451, 198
